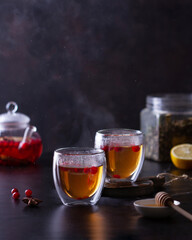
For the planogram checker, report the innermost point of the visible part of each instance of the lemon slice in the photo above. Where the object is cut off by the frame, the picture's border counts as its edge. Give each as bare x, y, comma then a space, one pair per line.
181, 156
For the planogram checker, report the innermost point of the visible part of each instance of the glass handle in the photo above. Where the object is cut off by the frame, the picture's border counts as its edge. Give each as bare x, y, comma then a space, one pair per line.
27, 135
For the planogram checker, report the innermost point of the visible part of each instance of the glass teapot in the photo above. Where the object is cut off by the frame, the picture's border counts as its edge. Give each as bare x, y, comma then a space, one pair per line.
20, 143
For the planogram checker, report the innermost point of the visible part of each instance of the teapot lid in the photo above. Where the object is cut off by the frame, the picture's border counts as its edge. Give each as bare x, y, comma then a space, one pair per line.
11, 119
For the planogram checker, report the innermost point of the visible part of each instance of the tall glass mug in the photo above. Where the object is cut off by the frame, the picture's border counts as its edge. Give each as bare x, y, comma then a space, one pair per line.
79, 175
124, 151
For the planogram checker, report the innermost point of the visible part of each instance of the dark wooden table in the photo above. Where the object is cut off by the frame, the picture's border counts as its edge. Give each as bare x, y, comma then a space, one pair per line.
111, 218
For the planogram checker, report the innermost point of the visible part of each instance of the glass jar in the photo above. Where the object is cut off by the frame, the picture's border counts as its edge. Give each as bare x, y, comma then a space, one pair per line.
166, 121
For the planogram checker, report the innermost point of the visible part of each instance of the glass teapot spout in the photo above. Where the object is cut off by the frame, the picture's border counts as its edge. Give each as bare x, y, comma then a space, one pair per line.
27, 135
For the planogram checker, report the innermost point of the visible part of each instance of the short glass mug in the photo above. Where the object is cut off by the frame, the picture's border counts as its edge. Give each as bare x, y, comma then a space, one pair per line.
124, 151
79, 175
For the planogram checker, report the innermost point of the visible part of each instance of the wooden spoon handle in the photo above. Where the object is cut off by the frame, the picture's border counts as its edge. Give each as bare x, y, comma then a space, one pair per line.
181, 211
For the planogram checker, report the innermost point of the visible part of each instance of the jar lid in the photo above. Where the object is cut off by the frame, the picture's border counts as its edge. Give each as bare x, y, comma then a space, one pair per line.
11, 119
170, 102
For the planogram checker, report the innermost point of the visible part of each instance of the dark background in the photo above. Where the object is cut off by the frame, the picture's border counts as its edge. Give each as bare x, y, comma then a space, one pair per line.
78, 66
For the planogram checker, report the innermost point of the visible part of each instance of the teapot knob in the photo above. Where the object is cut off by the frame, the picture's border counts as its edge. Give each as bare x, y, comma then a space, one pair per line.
11, 107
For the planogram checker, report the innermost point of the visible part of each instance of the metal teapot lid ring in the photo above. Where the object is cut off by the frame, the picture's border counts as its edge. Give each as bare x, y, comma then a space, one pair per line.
11, 107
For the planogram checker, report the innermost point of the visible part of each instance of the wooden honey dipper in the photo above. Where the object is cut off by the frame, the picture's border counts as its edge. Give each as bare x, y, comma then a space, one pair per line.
163, 199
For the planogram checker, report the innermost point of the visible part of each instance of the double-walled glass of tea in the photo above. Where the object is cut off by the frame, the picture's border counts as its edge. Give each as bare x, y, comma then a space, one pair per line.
79, 175
124, 151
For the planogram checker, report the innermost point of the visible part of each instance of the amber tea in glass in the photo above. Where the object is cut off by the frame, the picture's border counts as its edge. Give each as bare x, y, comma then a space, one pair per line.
79, 175
124, 153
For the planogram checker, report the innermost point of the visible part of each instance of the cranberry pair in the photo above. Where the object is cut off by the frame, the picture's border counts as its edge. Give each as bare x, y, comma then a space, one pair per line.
15, 193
